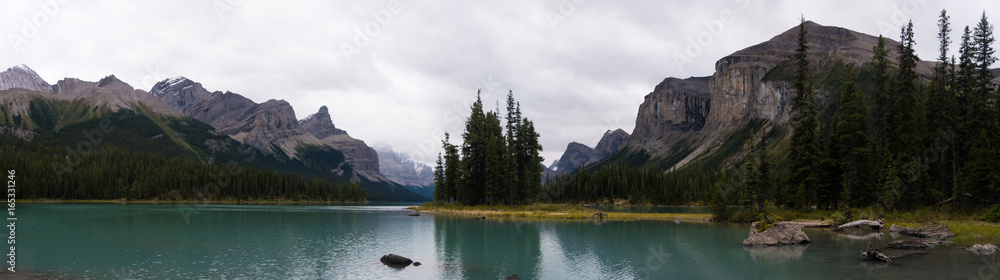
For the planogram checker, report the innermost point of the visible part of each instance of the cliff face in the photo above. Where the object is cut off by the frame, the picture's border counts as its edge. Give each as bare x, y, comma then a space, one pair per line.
359, 155
674, 108
263, 126
700, 112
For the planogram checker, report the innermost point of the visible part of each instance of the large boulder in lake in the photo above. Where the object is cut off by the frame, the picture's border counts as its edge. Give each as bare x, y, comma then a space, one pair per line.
779, 234
394, 260
987, 249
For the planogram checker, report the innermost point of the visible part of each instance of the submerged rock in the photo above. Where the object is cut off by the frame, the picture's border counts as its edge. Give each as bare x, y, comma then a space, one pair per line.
394, 260
779, 234
908, 244
987, 249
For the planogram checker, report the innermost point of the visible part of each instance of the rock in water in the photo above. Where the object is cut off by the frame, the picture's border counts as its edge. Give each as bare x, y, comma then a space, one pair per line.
779, 234
908, 244
394, 260
987, 249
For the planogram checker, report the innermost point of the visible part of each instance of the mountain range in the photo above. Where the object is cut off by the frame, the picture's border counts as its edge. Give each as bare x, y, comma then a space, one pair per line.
181, 118
705, 120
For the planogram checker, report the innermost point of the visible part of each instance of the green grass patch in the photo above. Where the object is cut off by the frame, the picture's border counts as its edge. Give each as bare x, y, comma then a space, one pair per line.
552, 211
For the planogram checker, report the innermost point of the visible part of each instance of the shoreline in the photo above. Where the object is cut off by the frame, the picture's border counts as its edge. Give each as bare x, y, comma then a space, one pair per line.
967, 232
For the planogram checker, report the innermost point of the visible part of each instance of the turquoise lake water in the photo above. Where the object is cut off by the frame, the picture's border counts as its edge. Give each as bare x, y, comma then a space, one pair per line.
346, 242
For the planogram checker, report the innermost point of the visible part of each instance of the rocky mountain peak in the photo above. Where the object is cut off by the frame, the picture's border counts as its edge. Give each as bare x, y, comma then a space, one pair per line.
179, 92
609, 144
113, 82
575, 156
321, 124
21, 76
363, 158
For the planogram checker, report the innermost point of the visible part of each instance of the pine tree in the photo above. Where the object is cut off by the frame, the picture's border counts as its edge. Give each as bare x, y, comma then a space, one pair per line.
453, 170
530, 163
757, 182
882, 80
851, 144
904, 139
496, 162
942, 115
474, 156
514, 150
805, 152
440, 191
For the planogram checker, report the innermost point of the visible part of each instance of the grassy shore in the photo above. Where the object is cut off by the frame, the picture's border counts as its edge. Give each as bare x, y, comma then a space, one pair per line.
553, 211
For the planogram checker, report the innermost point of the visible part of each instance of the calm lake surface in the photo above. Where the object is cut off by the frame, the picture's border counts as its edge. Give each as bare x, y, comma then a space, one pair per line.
346, 242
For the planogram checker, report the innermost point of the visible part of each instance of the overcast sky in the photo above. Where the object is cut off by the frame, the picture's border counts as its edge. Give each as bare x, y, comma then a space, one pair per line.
403, 73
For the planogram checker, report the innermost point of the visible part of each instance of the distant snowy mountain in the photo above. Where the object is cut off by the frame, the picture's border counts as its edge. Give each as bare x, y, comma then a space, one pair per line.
400, 168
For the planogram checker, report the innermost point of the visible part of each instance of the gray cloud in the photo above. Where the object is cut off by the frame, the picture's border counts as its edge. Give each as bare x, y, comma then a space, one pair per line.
577, 67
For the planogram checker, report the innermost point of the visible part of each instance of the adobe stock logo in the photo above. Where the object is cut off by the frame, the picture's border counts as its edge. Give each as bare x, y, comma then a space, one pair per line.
714, 28
364, 35
32, 24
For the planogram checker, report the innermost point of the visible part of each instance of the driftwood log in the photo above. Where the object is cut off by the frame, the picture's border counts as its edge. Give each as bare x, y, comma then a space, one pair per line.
877, 224
875, 255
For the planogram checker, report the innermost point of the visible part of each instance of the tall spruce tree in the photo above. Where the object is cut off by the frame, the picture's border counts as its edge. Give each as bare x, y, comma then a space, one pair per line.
513, 150
440, 190
530, 164
941, 116
882, 80
496, 160
905, 139
852, 145
453, 170
805, 154
474, 156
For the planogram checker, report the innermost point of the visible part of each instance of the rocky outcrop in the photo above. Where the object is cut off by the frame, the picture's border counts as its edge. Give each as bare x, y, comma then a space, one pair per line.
779, 234
400, 168
394, 260
263, 126
577, 154
21, 76
363, 158
700, 112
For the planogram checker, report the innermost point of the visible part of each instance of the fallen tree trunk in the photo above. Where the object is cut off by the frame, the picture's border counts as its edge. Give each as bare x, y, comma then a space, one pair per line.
878, 224
875, 255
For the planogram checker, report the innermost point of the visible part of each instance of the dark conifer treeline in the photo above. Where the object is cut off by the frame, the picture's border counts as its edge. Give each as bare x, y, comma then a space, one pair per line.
109, 172
495, 167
